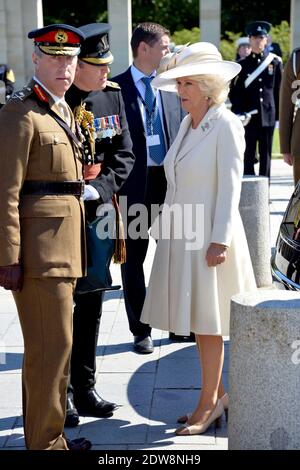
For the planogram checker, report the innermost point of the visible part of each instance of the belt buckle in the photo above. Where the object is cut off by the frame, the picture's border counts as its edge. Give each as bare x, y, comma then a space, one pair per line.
82, 183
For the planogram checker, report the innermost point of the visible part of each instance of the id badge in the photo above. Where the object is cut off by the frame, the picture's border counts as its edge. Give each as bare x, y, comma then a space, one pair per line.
152, 140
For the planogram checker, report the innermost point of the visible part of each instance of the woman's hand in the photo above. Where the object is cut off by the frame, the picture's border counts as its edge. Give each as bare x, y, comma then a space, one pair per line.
216, 254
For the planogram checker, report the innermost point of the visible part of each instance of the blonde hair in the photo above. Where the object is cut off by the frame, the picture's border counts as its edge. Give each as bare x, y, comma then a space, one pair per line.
214, 87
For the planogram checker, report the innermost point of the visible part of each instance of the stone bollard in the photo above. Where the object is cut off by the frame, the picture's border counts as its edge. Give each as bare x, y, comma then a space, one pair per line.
254, 210
264, 371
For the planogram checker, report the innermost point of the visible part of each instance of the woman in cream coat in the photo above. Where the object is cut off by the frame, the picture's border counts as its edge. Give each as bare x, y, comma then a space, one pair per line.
193, 278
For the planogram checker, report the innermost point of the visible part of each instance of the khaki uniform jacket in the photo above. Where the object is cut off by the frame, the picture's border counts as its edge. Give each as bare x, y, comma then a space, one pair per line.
289, 129
44, 233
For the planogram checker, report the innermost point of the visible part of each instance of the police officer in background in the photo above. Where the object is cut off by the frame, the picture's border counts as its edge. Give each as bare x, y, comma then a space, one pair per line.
107, 166
7, 80
256, 88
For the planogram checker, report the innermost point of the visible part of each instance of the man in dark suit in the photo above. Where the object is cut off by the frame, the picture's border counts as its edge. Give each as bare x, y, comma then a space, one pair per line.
257, 88
99, 112
146, 183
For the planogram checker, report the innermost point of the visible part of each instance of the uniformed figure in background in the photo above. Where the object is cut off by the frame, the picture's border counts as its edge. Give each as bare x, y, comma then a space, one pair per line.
289, 117
256, 88
41, 221
7, 80
108, 162
243, 48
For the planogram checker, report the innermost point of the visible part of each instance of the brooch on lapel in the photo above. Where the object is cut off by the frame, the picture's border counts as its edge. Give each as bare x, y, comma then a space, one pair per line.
205, 126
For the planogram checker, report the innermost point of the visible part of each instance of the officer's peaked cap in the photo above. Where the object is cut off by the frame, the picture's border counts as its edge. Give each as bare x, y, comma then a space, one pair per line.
95, 48
58, 39
258, 28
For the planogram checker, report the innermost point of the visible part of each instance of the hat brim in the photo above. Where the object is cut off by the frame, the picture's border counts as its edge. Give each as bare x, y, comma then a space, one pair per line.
53, 50
166, 81
105, 59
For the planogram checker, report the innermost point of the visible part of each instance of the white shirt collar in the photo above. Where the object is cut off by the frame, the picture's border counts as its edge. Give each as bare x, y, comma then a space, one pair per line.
137, 75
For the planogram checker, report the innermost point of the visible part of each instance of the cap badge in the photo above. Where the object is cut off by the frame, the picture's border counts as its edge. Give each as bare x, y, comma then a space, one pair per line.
61, 36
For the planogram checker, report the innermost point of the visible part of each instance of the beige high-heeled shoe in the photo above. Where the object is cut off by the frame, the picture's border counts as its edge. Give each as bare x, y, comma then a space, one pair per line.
191, 429
225, 402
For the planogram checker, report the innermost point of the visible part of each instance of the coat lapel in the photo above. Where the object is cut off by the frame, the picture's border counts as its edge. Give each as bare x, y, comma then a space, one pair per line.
203, 129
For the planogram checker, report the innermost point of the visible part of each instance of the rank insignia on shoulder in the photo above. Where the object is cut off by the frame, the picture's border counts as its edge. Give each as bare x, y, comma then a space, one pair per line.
113, 85
107, 126
21, 95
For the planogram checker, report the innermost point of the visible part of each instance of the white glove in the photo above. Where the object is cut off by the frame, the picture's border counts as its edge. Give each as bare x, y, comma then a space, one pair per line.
90, 193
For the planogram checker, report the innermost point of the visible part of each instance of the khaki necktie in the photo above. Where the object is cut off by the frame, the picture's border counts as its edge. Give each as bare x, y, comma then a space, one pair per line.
64, 110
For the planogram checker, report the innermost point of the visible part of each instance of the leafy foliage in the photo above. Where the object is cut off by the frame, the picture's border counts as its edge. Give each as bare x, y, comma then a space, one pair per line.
182, 18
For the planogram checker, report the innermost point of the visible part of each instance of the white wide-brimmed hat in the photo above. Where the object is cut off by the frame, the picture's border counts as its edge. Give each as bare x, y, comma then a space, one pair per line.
201, 58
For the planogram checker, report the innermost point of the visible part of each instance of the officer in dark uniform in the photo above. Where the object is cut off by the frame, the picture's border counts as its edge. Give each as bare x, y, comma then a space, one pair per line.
108, 162
7, 80
256, 88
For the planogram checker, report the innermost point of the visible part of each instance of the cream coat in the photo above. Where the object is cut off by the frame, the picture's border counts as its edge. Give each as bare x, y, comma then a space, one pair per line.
204, 168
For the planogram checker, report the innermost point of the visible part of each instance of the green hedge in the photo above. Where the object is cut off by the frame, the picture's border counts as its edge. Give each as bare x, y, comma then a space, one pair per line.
280, 34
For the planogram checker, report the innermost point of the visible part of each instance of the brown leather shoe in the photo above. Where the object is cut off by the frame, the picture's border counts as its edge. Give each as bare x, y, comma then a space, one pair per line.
79, 444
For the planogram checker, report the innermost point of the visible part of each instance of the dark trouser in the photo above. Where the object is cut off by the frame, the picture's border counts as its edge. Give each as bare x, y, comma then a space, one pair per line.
86, 322
254, 133
132, 271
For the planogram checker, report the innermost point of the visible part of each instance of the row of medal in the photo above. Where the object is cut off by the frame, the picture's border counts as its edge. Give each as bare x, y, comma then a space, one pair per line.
107, 126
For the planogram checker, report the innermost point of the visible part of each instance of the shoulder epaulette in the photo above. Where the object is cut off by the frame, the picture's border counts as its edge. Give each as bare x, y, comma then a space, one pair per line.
114, 85
21, 95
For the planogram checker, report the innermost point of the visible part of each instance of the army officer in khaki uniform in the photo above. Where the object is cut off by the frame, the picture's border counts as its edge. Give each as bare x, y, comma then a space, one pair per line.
41, 219
289, 117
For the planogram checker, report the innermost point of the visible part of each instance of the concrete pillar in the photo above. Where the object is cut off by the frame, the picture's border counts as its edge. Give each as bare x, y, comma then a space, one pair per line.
15, 40
295, 23
3, 41
17, 17
264, 371
210, 21
32, 13
254, 210
119, 16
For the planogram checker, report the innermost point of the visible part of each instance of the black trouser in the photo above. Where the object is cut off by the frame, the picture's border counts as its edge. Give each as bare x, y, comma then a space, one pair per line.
254, 132
132, 271
86, 322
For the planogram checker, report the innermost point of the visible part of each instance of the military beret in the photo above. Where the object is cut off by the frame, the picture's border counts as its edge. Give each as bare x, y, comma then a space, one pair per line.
58, 39
258, 28
95, 47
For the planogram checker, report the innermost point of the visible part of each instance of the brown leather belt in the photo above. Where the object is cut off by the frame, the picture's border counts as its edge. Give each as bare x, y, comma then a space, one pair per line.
43, 188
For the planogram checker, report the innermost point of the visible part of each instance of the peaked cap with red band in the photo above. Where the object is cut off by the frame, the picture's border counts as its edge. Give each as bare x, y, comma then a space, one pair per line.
58, 39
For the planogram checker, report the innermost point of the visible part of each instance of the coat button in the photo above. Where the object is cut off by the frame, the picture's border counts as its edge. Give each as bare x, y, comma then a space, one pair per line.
55, 140
261, 100
260, 79
260, 89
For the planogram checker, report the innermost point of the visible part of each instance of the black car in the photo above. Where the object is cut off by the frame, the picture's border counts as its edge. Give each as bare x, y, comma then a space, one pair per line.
285, 263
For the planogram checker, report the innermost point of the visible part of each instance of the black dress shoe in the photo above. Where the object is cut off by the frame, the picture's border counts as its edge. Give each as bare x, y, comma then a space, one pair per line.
182, 338
79, 444
143, 345
72, 416
91, 404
